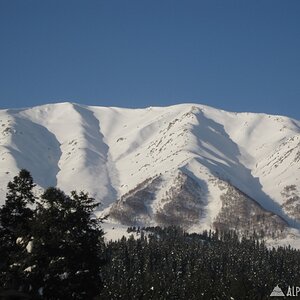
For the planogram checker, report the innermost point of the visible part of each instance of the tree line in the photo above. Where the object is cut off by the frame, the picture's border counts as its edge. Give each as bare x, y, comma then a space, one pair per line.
168, 263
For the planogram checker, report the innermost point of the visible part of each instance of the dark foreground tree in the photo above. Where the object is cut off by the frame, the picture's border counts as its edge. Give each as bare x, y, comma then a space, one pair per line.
53, 251
15, 218
66, 247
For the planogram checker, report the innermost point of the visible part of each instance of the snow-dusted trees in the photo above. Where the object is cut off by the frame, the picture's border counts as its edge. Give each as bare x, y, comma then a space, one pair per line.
167, 263
15, 221
54, 251
66, 247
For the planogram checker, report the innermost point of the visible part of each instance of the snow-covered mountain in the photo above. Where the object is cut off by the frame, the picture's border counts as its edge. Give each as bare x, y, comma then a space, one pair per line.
186, 164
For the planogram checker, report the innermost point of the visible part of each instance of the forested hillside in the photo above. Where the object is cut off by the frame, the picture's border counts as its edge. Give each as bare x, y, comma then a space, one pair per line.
171, 264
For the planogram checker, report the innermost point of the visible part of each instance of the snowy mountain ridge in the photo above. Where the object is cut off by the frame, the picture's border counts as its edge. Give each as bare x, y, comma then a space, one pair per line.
186, 164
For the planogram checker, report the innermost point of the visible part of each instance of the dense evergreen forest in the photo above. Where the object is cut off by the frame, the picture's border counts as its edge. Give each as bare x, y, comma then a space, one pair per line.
171, 264
51, 247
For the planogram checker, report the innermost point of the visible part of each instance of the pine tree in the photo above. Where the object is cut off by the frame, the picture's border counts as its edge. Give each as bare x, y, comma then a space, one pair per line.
67, 247
15, 219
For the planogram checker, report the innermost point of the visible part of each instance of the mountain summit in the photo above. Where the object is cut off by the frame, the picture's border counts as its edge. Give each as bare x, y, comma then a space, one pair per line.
188, 164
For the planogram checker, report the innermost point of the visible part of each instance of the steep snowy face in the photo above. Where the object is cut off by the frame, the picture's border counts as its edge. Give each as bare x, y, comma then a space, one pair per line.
185, 164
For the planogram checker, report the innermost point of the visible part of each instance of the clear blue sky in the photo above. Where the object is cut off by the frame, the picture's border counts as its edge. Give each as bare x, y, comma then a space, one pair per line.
241, 55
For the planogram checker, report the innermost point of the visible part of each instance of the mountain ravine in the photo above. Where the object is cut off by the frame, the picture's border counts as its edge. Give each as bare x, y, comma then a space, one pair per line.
189, 164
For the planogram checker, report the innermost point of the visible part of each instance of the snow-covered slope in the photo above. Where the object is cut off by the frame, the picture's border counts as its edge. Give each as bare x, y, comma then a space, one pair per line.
185, 164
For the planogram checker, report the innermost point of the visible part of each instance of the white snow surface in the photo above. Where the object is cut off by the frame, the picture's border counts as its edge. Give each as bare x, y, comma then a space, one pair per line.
108, 151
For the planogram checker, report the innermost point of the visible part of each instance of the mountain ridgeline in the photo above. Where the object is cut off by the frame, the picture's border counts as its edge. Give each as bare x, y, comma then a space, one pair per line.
189, 165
